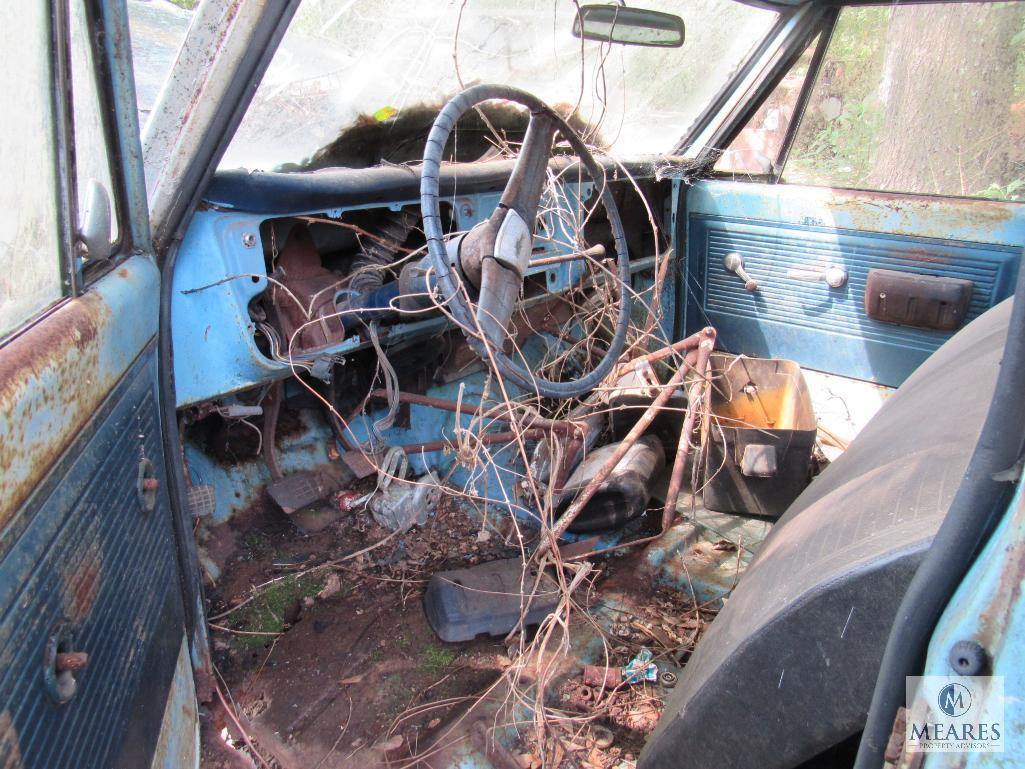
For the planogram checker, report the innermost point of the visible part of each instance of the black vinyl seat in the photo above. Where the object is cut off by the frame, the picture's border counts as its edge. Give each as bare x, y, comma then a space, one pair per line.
787, 669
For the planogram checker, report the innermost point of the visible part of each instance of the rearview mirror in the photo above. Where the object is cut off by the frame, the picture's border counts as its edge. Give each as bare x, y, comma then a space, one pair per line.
629, 26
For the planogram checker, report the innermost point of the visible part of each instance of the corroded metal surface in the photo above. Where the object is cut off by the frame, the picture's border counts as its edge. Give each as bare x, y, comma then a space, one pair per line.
987, 610
783, 231
82, 579
54, 376
923, 216
178, 745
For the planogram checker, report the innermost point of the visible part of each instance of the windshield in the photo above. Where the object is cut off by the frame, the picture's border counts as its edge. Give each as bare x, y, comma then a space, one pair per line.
366, 64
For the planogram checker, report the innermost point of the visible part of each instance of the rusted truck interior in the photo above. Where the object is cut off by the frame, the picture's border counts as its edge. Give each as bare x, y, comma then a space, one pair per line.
600, 490
495, 445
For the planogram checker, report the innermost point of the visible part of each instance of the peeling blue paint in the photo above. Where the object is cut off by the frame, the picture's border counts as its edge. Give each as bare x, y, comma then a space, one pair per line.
988, 608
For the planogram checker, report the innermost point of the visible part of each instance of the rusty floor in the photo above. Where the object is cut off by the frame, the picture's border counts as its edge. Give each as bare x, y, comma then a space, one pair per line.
337, 667
326, 662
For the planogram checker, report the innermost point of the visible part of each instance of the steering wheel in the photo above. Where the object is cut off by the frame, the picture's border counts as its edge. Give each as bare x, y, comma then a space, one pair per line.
493, 257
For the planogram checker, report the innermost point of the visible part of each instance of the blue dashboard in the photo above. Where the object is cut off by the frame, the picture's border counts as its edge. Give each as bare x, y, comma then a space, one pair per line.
222, 264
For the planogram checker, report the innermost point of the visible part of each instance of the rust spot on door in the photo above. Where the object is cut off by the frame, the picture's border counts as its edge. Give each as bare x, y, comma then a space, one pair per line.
82, 584
10, 747
913, 213
51, 382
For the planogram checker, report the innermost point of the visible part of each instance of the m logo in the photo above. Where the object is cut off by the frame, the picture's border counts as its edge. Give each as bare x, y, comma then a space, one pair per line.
954, 699
954, 714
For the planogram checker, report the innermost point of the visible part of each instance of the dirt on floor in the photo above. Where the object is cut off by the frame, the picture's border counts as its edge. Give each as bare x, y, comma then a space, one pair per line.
326, 660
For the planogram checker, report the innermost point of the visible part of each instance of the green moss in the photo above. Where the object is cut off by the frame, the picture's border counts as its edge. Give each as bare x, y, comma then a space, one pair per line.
266, 613
434, 659
254, 540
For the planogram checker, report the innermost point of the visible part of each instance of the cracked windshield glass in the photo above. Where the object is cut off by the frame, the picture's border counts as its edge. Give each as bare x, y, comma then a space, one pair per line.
358, 82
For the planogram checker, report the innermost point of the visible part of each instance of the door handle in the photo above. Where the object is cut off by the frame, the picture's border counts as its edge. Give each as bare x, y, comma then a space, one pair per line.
832, 276
734, 262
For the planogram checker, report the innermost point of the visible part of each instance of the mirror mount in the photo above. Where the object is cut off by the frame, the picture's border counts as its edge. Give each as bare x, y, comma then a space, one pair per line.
94, 222
617, 23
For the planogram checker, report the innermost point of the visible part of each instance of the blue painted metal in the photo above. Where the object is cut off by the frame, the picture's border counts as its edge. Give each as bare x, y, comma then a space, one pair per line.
686, 559
86, 559
669, 301
237, 486
215, 351
777, 228
989, 608
217, 275
178, 745
117, 50
958, 219
495, 486
55, 375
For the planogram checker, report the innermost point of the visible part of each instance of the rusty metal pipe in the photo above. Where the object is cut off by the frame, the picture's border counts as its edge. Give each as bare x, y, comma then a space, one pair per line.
594, 252
424, 400
529, 421
536, 421
692, 342
695, 396
271, 410
602, 677
486, 439
588, 492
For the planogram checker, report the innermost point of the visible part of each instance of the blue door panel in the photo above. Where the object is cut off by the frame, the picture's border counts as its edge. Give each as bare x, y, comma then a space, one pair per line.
827, 328
86, 561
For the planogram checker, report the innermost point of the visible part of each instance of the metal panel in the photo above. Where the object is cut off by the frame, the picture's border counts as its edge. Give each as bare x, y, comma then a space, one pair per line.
780, 229
55, 375
216, 276
988, 609
86, 559
81, 559
178, 745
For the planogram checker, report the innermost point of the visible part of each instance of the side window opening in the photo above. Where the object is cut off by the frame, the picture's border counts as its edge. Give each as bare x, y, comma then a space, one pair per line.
756, 150
30, 231
32, 273
92, 157
922, 99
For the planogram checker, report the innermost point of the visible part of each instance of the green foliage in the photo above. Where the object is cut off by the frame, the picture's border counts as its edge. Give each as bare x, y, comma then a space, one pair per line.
1013, 190
188, 5
266, 613
839, 138
859, 45
838, 150
842, 149
435, 658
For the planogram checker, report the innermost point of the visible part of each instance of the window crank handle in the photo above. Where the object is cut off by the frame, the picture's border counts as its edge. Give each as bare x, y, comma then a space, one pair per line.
734, 262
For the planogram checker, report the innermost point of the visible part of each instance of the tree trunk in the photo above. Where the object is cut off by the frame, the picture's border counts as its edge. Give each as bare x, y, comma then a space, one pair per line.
947, 89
